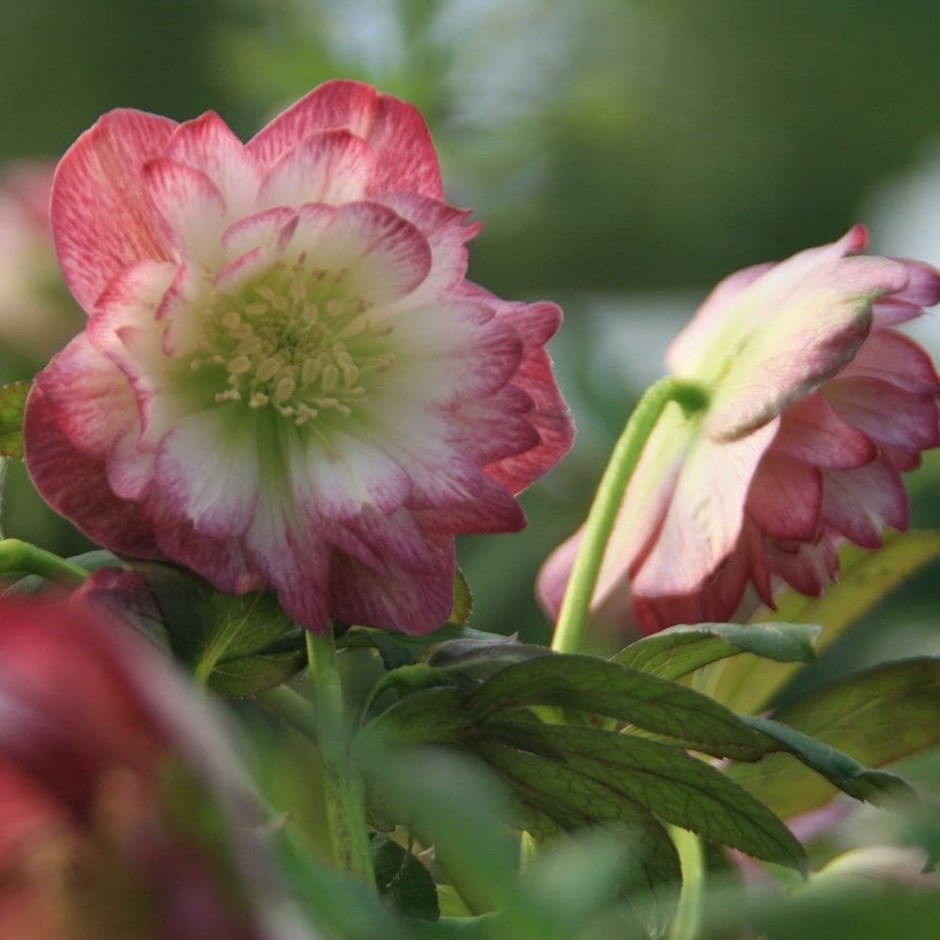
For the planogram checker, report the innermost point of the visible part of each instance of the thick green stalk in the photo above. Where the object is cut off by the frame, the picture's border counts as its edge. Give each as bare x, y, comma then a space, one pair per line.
687, 922
20, 557
342, 786
575, 609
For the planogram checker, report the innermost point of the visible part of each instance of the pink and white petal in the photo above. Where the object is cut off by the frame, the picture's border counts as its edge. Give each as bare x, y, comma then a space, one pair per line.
192, 209
339, 482
378, 255
685, 353
207, 144
76, 486
857, 503
292, 558
207, 468
100, 212
382, 541
498, 426
492, 510
550, 418
714, 601
405, 599
439, 472
785, 497
270, 231
812, 432
395, 131
923, 285
645, 503
450, 352
90, 397
903, 459
331, 166
895, 358
447, 233
805, 566
887, 414
223, 562
705, 515
811, 332
555, 573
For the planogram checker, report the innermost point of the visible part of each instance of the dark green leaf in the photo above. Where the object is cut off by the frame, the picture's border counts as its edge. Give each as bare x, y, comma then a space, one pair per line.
878, 716
748, 684
404, 881
429, 716
677, 651
666, 781
604, 688
775, 782
238, 645
12, 406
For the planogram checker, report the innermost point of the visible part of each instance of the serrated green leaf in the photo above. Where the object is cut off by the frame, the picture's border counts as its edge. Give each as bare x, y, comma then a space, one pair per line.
572, 801
237, 645
604, 688
398, 649
403, 881
748, 684
677, 651
879, 715
429, 716
788, 792
12, 406
666, 781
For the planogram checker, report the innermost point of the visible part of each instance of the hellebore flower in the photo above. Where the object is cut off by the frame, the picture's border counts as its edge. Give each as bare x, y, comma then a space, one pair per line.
31, 285
122, 812
285, 378
815, 408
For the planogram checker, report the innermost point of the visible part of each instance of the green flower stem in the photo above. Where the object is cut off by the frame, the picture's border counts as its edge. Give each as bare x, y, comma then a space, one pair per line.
569, 632
342, 786
688, 919
291, 707
22, 558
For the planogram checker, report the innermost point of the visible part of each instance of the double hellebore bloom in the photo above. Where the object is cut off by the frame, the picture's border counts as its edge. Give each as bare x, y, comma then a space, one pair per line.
285, 379
815, 408
122, 813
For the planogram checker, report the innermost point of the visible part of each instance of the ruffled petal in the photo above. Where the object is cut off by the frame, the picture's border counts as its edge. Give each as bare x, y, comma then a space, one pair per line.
705, 514
207, 144
395, 131
208, 471
892, 357
331, 167
812, 432
785, 498
192, 210
413, 600
857, 503
887, 414
76, 485
100, 211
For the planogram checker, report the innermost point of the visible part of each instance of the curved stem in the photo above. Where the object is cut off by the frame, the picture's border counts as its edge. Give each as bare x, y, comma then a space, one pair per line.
22, 558
569, 632
686, 923
343, 788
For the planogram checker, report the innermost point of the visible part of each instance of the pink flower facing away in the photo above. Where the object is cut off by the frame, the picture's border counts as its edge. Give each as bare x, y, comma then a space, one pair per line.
36, 313
816, 407
285, 378
122, 813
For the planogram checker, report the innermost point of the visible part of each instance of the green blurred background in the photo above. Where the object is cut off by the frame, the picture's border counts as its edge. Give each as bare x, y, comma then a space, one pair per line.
623, 155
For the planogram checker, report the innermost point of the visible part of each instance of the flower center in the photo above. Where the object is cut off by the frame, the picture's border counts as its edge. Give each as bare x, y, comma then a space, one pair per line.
296, 341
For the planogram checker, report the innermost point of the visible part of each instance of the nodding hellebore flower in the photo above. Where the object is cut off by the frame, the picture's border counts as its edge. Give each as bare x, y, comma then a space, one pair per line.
122, 812
285, 379
816, 407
